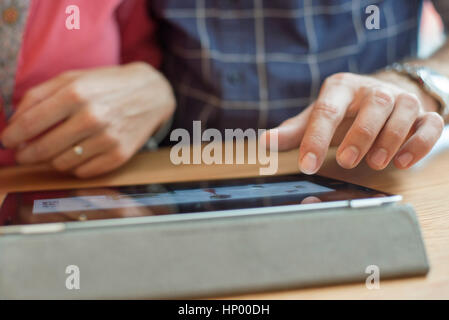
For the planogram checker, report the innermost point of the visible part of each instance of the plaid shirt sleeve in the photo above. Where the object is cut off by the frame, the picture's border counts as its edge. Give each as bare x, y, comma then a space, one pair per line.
442, 6
254, 64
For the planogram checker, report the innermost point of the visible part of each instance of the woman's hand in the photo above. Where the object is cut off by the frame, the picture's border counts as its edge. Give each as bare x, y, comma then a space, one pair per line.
367, 117
90, 122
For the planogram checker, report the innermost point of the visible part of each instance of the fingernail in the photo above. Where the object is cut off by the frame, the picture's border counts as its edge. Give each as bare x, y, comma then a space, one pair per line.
379, 157
309, 163
405, 159
348, 157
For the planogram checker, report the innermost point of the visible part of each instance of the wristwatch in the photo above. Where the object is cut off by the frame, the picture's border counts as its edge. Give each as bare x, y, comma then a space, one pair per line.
433, 83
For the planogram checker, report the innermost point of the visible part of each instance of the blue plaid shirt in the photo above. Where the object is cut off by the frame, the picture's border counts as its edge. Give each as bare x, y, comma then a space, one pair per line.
254, 63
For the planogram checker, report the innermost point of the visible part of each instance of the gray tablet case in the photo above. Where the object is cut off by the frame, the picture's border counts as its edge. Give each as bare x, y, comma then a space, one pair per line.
216, 257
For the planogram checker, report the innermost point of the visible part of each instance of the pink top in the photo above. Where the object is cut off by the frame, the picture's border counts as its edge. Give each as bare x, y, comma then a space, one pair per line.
111, 32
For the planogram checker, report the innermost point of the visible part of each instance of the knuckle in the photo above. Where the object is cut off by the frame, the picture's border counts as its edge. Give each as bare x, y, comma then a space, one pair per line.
409, 98
410, 102
327, 110
364, 131
382, 97
339, 78
315, 142
395, 134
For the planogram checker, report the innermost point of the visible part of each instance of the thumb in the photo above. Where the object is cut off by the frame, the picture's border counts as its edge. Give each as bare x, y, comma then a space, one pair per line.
289, 133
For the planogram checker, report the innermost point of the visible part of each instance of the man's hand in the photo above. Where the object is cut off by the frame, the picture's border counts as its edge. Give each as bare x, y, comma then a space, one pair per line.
368, 118
109, 112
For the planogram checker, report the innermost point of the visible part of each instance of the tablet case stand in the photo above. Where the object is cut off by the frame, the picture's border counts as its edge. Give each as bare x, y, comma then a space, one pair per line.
215, 257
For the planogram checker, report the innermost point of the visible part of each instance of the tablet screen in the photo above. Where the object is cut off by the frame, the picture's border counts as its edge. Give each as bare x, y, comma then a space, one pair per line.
175, 198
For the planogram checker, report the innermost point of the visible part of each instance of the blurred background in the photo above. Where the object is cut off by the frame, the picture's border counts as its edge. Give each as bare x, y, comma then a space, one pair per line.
431, 36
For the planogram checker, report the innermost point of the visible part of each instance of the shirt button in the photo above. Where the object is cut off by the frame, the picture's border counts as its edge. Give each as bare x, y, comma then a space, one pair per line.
10, 15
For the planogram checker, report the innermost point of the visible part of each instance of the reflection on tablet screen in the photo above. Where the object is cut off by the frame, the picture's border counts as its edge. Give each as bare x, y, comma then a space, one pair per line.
178, 197
174, 198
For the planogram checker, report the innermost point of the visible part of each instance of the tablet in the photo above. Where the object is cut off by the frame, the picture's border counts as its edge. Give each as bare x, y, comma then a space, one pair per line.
53, 211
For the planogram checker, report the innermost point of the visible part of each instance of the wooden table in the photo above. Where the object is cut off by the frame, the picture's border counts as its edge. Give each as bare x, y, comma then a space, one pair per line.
426, 187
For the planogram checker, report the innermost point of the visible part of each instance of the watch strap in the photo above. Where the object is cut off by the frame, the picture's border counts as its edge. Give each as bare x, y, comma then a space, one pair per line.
415, 74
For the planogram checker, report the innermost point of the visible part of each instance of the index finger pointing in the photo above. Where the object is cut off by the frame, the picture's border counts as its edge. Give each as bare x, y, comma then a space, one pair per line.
328, 111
